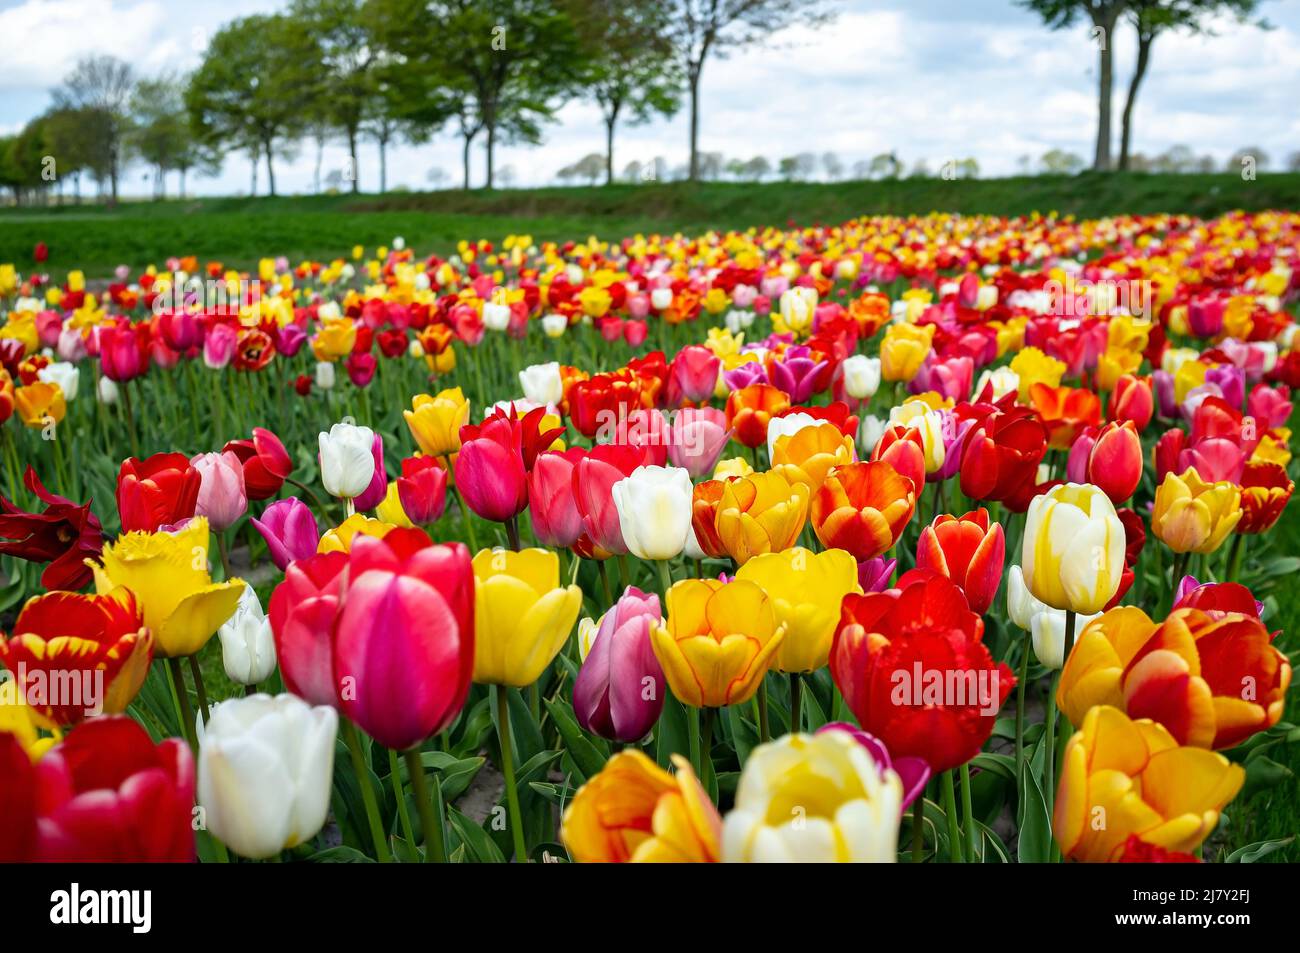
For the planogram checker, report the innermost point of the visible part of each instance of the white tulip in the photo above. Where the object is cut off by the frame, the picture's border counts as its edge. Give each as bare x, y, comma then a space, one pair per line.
654, 511
64, 374
738, 320
496, 317
554, 325
347, 463
542, 383
870, 430
107, 391
325, 375
1003, 379
661, 298
247, 644
861, 376
265, 770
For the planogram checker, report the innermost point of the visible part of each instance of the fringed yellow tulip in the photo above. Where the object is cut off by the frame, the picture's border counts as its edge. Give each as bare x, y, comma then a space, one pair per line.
1192, 516
168, 572
522, 617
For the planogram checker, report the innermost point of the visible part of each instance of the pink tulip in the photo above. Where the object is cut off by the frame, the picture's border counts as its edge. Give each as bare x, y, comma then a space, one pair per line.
71, 346
699, 435
619, 692
290, 530
49, 326
490, 473
123, 351
222, 498
693, 374
551, 502
1270, 406
181, 330
634, 333
593, 479
219, 346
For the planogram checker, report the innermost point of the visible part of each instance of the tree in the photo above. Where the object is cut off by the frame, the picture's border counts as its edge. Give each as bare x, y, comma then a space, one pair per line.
832, 166
1250, 156
703, 27
103, 84
1060, 162
1103, 14
254, 88
758, 168
630, 68
1152, 17
75, 137
589, 167
884, 166
160, 134
1293, 162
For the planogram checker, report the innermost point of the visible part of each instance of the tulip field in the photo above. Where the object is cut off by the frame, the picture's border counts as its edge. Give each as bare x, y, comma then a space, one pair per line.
929, 539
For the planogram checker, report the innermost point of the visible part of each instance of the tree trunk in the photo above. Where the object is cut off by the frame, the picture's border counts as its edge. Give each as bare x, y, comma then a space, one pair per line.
383, 165
182, 183
694, 79
257, 158
1105, 20
464, 157
1144, 57
353, 173
320, 157
610, 120
491, 149
270, 169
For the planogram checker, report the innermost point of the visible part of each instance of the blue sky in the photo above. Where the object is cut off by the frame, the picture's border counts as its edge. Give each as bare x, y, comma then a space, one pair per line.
929, 79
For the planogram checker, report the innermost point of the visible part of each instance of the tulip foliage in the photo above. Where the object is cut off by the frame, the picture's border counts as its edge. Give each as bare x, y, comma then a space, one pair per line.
922, 539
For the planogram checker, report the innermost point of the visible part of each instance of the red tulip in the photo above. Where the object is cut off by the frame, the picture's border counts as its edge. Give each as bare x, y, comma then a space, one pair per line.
594, 476
967, 551
422, 490
265, 461
17, 803
108, 794
1001, 456
490, 472
361, 368
159, 491
1133, 400
64, 535
552, 501
904, 450
1115, 461
302, 612
912, 669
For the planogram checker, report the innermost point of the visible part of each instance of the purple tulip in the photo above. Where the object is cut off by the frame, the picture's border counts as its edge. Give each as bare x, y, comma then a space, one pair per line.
874, 574
290, 339
742, 375
290, 530
913, 772
619, 692
796, 374
1231, 382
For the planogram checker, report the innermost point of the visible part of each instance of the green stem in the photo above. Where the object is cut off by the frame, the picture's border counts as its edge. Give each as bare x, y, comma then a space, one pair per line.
604, 581
956, 855
435, 851
353, 741
399, 792
182, 697
512, 532
665, 579
796, 702
1235, 553
764, 728
706, 750
968, 814
918, 827
197, 673
508, 769
1020, 706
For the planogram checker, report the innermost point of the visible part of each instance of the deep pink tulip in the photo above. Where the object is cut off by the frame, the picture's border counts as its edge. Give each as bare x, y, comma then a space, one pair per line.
181, 330
551, 502
302, 612
693, 374
361, 368
422, 490
219, 346
620, 689
490, 473
1270, 406
374, 494
124, 351
634, 332
222, 498
290, 530
699, 435
290, 339
593, 479
874, 574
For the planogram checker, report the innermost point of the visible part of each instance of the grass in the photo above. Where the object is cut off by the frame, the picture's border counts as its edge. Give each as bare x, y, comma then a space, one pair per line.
238, 231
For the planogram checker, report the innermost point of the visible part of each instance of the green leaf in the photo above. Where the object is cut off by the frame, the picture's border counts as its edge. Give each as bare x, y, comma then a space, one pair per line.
1253, 852
1263, 773
671, 732
1003, 765
1035, 843
586, 756
340, 855
478, 845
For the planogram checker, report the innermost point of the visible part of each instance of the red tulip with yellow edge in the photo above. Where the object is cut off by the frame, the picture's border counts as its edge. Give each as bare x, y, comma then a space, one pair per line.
1134, 776
1265, 492
760, 513
863, 508
717, 641
633, 811
751, 409
1212, 679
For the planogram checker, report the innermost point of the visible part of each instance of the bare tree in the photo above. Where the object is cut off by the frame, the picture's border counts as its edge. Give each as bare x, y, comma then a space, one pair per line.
103, 84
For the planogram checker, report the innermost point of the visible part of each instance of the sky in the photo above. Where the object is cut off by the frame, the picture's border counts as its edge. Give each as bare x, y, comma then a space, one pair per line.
927, 79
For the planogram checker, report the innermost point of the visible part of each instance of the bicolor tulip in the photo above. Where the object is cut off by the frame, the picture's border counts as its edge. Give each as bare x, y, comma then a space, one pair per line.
850, 807
1136, 776
265, 771
717, 641
522, 615
760, 513
806, 590
750, 410
634, 811
619, 691
808, 455
1073, 549
347, 461
73, 656
162, 490
168, 572
903, 448
863, 508
968, 551
1265, 492
1211, 679
1191, 515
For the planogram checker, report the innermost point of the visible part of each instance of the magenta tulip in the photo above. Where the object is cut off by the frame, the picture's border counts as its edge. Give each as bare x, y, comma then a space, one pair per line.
374, 494
490, 473
290, 530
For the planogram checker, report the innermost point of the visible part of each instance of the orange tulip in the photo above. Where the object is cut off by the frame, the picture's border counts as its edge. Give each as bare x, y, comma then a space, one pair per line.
1065, 411
807, 455
863, 508
750, 409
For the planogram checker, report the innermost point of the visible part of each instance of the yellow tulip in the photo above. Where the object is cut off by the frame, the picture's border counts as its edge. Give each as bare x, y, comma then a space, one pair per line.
1033, 366
808, 454
40, 403
1275, 447
334, 340
903, 349
390, 509
339, 539
732, 467
717, 641
760, 513
18, 719
168, 572
634, 811
522, 616
1122, 778
1114, 364
435, 422
806, 589
1192, 516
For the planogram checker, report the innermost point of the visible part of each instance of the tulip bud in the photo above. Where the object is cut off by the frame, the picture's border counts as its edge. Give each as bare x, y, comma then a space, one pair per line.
325, 375
620, 690
265, 771
222, 498
347, 460
107, 391
542, 383
247, 645
861, 376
